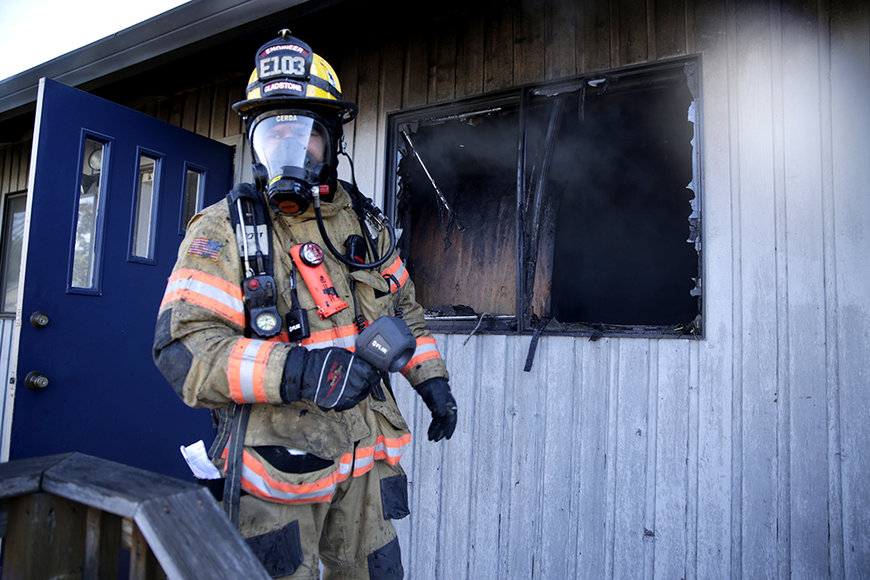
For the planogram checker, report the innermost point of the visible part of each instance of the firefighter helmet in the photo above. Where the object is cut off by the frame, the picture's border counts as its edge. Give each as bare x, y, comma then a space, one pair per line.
289, 75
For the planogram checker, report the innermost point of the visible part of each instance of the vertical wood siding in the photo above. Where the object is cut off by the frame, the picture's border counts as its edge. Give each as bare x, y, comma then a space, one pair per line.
743, 455
14, 166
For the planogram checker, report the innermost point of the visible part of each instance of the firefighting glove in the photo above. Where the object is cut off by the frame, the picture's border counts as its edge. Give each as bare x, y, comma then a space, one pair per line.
436, 394
333, 377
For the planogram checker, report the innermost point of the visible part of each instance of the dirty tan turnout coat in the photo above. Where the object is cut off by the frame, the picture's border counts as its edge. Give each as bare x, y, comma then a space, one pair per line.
201, 347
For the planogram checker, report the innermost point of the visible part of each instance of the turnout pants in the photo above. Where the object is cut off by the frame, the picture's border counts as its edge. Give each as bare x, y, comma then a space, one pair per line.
353, 535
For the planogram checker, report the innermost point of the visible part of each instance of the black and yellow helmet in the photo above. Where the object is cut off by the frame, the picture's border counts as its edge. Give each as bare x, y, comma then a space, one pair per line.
288, 74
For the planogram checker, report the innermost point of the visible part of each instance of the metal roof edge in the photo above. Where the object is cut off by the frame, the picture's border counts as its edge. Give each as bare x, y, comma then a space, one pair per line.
174, 29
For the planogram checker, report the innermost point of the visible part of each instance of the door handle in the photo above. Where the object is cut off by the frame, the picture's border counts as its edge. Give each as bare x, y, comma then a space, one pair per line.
39, 319
35, 381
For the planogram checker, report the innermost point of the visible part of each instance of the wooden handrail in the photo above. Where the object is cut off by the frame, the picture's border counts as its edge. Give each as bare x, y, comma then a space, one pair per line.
65, 513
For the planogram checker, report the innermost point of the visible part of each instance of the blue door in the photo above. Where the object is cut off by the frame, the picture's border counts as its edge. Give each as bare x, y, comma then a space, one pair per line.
110, 195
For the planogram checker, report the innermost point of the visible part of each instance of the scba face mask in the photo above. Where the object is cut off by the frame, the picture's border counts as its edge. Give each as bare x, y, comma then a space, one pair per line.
294, 151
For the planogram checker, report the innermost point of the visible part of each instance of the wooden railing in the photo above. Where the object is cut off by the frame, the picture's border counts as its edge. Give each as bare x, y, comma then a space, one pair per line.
66, 516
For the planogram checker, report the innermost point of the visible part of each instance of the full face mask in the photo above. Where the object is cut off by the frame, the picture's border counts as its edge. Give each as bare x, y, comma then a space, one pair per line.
293, 151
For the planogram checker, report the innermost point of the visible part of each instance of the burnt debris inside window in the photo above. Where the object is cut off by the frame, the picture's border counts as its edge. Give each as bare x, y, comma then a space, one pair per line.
569, 208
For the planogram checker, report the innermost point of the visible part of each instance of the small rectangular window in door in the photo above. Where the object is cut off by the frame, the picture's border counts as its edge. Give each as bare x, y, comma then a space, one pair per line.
144, 221
89, 216
194, 183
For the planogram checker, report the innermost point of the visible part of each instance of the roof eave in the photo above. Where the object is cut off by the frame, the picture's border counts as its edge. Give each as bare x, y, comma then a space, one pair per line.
185, 25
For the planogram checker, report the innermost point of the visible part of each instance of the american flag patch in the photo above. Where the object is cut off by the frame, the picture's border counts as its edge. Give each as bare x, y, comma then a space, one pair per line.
205, 248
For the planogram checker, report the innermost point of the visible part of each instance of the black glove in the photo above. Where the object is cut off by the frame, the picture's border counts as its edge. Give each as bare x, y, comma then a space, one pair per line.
333, 377
436, 394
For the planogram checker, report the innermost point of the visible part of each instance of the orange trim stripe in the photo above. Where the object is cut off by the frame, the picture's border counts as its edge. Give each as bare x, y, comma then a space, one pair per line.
246, 370
427, 349
224, 286
207, 291
341, 336
257, 481
398, 270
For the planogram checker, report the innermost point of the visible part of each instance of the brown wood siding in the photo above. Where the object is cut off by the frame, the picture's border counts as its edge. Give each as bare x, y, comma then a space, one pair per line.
206, 109
463, 51
485, 47
14, 166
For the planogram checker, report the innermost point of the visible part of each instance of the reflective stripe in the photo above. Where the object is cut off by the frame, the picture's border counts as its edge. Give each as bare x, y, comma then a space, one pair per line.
280, 337
385, 449
391, 449
257, 481
396, 269
340, 336
426, 350
207, 291
246, 370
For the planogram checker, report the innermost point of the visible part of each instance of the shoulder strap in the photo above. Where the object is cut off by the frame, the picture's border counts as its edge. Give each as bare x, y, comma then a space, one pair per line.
252, 225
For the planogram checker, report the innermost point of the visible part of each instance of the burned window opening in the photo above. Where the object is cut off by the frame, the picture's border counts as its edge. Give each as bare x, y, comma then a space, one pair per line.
580, 199
472, 159
444, 205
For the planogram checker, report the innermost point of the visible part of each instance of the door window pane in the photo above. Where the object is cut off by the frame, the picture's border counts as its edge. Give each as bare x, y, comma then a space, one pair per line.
146, 193
193, 184
13, 228
88, 217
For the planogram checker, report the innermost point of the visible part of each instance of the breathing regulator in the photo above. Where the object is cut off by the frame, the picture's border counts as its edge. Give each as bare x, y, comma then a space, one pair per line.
294, 114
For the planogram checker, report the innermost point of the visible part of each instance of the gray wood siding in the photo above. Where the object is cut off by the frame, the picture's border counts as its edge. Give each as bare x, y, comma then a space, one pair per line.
743, 455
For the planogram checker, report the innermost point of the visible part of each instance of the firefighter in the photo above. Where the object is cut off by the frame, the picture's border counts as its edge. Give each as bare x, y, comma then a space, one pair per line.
258, 323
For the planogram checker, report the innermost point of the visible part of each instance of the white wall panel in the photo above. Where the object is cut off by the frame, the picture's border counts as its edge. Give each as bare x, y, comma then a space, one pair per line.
740, 455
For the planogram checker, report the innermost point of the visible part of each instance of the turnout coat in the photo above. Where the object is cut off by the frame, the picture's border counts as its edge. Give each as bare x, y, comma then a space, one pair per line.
203, 349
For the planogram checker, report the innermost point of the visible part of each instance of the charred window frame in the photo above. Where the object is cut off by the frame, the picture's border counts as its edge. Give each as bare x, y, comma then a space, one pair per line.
561, 208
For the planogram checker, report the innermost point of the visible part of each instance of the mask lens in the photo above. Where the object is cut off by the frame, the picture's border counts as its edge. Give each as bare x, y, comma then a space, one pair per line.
291, 140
